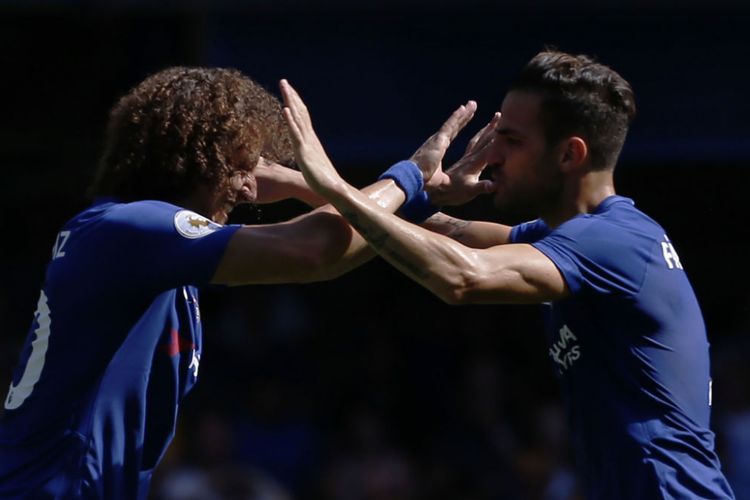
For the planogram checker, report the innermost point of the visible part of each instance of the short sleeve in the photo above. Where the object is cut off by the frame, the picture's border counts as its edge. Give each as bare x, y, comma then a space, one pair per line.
593, 255
529, 232
160, 246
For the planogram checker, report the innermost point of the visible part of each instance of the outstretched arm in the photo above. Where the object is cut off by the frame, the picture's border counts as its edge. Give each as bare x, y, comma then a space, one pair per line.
472, 233
454, 272
321, 245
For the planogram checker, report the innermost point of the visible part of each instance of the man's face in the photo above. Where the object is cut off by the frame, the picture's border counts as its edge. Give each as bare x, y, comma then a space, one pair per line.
241, 187
522, 165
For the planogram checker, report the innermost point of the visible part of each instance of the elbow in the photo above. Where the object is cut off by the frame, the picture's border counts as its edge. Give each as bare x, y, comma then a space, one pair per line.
455, 296
322, 266
327, 248
459, 289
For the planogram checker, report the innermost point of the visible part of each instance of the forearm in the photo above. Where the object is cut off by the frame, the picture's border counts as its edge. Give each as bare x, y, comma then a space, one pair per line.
356, 250
277, 183
300, 191
437, 262
474, 234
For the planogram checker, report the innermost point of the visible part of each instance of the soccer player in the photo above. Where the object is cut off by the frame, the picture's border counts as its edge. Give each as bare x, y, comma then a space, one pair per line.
116, 340
626, 335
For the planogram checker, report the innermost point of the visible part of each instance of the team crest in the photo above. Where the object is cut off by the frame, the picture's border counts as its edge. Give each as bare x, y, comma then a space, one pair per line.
191, 225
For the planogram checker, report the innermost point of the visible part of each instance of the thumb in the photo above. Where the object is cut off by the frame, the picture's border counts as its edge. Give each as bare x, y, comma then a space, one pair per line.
484, 187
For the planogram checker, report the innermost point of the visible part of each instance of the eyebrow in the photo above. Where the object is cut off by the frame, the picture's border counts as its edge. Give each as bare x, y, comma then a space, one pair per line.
508, 131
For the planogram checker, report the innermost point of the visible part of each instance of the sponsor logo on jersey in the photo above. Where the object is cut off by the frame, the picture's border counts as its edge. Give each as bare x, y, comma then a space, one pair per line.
565, 349
191, 225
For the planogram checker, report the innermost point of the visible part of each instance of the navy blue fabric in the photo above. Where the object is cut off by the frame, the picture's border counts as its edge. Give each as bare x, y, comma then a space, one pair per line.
418, 209
117, 336
407, 176
630, 349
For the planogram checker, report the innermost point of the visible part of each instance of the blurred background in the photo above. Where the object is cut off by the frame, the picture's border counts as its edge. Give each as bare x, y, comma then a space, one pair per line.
368, 387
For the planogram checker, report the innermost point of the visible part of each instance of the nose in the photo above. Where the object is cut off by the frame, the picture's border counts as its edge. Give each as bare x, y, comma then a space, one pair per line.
495, 152
246, 187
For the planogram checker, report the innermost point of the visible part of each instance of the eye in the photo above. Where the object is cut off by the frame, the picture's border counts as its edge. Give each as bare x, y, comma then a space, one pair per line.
509, 137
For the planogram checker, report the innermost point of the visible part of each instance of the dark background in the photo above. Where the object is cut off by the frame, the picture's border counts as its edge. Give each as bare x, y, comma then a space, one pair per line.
368, 387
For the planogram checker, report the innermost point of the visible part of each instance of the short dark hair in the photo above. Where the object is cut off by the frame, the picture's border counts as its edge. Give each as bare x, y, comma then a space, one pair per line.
581, 97
181, 127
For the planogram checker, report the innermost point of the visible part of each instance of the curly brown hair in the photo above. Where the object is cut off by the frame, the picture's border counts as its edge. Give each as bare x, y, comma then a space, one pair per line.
181, 128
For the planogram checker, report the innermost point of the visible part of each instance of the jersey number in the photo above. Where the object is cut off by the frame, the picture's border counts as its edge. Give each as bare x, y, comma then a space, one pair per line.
18, 393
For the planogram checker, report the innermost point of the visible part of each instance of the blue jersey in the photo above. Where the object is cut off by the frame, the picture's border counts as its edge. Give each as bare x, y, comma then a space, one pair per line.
114, 346
630, 348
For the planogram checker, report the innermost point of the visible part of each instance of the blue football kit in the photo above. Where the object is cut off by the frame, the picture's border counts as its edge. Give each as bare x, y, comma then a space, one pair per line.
114, 347
630, 349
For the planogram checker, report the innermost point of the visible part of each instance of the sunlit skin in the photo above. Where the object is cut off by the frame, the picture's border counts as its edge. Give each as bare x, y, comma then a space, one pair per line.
552, 181
218, 204
522, 165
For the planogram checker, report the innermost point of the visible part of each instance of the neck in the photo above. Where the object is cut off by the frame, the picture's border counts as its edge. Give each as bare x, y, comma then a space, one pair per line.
581, 195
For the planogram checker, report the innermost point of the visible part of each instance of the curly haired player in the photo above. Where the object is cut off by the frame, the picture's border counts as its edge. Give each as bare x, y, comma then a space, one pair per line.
116, 340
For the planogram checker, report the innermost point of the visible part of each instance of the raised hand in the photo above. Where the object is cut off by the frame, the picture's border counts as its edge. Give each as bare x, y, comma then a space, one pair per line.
320, 174
429, 156
275, 182
460, 183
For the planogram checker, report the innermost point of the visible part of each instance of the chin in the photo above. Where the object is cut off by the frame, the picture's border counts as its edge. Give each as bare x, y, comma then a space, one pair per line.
500, 201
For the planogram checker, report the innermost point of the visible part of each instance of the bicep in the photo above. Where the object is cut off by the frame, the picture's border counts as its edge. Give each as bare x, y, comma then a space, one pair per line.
515, 273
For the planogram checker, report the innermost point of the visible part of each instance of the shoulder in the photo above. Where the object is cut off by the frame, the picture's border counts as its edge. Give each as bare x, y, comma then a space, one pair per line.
529, 232
159, 216
616, 218
609, 249
140, 212
144, 223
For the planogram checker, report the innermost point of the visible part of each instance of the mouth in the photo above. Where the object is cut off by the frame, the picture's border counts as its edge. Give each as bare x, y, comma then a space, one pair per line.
494, 170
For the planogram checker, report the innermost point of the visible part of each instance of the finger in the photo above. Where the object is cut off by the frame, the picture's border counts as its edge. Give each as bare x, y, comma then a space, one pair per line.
458, 120
294, 129
295, 103
476, 162
290, 94
477, 137
485, 135
286, 91
471, 164
489, 131
483, 187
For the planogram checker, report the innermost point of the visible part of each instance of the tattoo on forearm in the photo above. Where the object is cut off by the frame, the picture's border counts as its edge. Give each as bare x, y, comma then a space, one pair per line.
378, 240
455, 228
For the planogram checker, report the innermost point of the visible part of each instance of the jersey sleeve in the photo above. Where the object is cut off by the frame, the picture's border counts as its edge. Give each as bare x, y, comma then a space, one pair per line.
161, 246
528, 232
594, 256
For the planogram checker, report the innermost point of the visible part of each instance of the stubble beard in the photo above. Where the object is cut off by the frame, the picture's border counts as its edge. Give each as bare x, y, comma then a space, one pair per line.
525, 201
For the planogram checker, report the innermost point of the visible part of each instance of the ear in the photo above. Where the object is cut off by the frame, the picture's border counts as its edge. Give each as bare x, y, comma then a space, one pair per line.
574, 154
